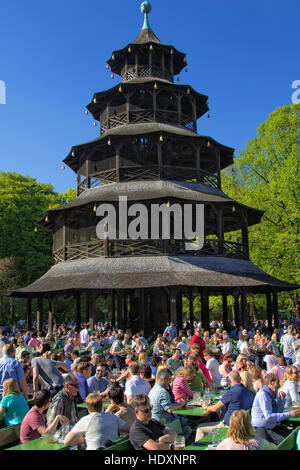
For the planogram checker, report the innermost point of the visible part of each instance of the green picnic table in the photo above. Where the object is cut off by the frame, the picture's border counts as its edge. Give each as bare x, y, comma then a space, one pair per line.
39, 444
189, 410
206, 440
294, 420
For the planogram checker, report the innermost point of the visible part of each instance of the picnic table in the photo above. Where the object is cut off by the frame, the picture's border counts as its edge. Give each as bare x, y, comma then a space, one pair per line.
206, 440
39, 444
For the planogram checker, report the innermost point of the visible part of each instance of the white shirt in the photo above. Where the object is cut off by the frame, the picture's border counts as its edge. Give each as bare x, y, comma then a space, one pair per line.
137, 386
290, 388
213, 366
183, 346
244, 347
289, 346
84, 336
226, 347
98, 428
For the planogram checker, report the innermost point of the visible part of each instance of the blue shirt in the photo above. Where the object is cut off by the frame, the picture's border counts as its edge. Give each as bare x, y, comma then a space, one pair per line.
237, 397
10, 368
83, 388
160, 400
95, 385
267, 410
173, 332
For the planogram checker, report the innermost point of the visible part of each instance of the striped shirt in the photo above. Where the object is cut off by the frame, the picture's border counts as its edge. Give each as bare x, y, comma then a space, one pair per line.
181, 390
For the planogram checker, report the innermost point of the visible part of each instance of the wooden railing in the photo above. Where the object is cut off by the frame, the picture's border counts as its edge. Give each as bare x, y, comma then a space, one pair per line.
132, 71
148, 115
177, 173
128, 248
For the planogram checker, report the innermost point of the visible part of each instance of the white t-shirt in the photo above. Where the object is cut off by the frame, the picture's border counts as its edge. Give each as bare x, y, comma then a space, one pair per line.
290, 389
183, 346
84, 336
244, 347
98, 428
137, 386
213, 366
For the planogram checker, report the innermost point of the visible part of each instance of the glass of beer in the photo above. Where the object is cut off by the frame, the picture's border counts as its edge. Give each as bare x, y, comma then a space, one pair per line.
179, 443
296, 406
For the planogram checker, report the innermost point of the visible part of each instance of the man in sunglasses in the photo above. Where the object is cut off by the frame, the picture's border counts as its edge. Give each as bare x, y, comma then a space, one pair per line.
65, 402
147, 433
98, 383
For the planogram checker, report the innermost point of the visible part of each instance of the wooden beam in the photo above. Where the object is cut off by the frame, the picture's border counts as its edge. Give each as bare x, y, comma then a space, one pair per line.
40, 315
269, 311
275, 309
29, 313
225, 310
78, 311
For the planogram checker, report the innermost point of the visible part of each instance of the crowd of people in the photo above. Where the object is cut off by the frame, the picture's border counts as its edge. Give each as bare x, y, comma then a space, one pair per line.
100, 383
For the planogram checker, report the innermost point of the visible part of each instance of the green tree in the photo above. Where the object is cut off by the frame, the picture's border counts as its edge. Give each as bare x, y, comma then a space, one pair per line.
266, 176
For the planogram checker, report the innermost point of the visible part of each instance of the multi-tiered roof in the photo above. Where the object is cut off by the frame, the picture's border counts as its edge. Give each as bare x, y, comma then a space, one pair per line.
149, 150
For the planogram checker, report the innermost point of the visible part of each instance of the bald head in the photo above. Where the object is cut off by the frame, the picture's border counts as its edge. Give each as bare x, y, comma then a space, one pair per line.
234, 377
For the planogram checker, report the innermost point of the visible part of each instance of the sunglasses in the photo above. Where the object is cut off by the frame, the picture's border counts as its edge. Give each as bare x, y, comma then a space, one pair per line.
146, 410
75, 385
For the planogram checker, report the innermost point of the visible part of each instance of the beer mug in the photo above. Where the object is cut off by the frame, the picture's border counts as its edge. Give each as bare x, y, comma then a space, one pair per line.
179, 443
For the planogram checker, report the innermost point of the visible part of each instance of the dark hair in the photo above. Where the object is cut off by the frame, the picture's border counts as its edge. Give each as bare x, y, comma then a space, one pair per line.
134, 369
145, 369
116, 393
155, 361
45, 347
24, 354
42, 397
108, 357
75, 352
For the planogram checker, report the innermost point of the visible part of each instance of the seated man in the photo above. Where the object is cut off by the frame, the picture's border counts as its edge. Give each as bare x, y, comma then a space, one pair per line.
98, 383
64, 402
47, 369
97, 427
118, 406
84, 370
238, 397
135, 385
174, 362
161, 402
147, 433
267, 411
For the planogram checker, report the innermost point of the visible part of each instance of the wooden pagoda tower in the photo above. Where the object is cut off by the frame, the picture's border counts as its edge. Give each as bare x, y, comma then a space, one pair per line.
149, 150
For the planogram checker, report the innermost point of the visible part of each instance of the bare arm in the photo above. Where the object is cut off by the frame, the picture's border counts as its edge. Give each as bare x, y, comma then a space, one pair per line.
2, 412
73, 439
23, 386
213, 408
52, 427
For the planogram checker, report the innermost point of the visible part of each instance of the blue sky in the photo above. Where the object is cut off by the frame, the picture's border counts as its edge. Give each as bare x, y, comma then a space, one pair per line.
243, 55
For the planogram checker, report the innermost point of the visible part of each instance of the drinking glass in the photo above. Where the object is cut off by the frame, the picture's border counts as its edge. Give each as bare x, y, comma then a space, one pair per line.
179, 443
215, 436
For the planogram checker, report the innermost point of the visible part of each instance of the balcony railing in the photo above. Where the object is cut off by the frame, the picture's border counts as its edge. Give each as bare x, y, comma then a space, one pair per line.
144, 71
128, 248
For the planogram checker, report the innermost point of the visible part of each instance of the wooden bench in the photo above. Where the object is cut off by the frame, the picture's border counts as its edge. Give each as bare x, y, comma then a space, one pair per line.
289, 443
121, 444
9, 436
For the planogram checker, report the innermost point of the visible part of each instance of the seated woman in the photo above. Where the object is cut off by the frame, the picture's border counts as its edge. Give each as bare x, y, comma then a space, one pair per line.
13, 406
256, 374
275, 368
159, 346
98, 427
34, 425
196, 385
289, 385
241, 435
225, 369
142, 358
246, 380
180, 386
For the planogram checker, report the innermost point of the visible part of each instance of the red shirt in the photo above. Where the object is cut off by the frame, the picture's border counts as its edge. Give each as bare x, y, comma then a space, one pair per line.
30, 424
205, 371
198, 340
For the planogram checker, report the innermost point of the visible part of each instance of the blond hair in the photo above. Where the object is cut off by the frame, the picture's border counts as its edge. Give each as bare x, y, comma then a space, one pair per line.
142, 357
288, 375
10, 387
187, 372
94, 402
240, 429
246, 380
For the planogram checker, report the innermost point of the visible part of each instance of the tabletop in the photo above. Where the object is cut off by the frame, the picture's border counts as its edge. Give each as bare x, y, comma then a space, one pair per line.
207, 440
40, 444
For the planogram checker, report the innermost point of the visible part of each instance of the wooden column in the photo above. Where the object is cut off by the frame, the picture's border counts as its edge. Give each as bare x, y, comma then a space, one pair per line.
78, 312
119, 311
91, 308
218, 165
159, 159
205, 308
117, 163
29, 315
142, 312
220, 228
275, 309
191, 301
50, 315
245, 238
125, 310
244, 313
225, 310
113, 308
173, 304
269, 311
236, 310
40, 315
179, 310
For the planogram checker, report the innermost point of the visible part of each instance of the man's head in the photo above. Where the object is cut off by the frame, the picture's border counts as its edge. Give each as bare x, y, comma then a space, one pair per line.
172, 324
198, 331
71, 385
272, 381
116, 395
176, 354
129, 359
234, 377
42, 399
94, 402
142, 408
164, 377
100, 371
8, 350
207, 354
84, 368
133, 370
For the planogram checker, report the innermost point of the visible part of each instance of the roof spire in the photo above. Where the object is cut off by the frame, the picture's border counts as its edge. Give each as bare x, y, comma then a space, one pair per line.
145, 9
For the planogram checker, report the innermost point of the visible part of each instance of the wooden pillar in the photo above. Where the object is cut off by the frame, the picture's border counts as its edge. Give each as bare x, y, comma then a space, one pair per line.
50, 315
275, 309
173, 305
269, 311
220, 228
113, 308
78, 312
205, 308
244, 315
225, 310
141, 309
125, 310
91, 308
40, 315
179, 310
29, 315
191, 301
117, 163
236, 310
119, 311
159, 159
